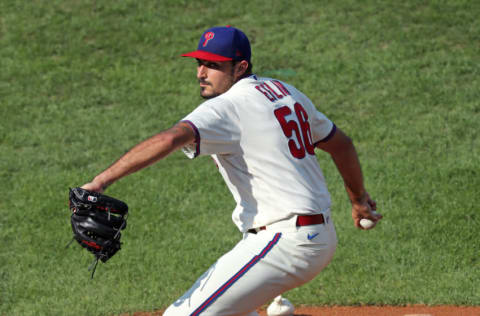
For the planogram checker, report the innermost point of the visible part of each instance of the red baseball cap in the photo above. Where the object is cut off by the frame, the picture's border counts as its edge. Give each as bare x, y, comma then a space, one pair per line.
222, 43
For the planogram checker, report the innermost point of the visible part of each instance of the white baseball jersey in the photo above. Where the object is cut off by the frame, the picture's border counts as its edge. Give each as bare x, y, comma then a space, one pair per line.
262, 133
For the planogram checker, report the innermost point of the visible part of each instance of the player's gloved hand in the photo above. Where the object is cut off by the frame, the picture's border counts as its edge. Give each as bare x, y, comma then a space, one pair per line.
365, 208
97, 221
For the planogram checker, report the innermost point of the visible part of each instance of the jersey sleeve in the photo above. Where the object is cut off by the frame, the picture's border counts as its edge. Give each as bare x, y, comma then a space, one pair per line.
322, 128
216, 126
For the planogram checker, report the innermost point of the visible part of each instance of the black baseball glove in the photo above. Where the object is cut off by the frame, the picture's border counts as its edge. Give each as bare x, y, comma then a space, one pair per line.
96, 221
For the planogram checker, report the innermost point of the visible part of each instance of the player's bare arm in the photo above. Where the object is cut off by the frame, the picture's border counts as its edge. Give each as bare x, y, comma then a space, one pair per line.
343, 152
144, 154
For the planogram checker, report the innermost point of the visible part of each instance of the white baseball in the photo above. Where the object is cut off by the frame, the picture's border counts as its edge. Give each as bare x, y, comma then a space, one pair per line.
367, 223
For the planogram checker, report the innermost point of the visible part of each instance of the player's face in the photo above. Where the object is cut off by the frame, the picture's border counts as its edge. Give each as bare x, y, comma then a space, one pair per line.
215, 77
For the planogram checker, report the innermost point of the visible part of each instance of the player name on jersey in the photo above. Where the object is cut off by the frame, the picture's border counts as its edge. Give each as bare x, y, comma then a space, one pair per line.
271, 92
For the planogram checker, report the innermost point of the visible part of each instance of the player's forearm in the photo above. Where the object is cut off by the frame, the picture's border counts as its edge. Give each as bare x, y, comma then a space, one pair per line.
139, 157
145, 154
348, 165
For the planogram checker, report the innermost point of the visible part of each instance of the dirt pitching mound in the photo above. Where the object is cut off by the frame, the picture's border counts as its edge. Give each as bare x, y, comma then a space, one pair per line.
414, 310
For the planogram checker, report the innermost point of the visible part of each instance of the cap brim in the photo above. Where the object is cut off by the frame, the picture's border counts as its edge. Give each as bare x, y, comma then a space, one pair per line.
200, 54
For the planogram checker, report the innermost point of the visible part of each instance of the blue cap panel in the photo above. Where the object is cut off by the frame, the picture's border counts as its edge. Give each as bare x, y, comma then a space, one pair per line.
225, 41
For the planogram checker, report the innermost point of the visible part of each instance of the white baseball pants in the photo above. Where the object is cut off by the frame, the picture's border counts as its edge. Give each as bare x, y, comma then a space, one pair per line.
260, 267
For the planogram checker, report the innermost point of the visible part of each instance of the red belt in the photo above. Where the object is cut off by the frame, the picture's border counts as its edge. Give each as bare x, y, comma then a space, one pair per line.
302, 220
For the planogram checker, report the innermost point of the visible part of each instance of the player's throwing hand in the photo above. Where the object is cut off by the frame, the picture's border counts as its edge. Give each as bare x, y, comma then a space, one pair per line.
364, 213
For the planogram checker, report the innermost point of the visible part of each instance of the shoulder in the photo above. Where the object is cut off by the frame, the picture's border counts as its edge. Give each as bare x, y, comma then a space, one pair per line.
242, 86
220, 103
218, 109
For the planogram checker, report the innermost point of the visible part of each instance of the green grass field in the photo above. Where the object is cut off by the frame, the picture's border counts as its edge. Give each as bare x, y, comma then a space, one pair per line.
83, 81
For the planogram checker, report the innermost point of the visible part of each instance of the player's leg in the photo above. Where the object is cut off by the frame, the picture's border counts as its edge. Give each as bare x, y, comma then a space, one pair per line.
217, 282
259, 268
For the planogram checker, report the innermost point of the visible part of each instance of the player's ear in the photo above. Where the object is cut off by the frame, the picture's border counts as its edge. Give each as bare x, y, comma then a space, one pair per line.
241, 68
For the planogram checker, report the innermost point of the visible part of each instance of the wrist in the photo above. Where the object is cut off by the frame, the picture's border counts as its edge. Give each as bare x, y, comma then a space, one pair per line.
358, 198
101, 182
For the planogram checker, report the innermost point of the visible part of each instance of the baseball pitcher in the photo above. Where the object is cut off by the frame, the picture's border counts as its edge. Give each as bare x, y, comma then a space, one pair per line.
262, 134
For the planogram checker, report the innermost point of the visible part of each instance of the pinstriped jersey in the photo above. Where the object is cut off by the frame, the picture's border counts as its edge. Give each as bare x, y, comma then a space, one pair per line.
262, 134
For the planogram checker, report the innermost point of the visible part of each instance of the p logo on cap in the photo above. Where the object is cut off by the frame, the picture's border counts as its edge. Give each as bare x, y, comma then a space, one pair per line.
208, 36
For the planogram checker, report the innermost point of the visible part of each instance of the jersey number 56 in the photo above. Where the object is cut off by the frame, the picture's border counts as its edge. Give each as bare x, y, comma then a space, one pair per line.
303, 141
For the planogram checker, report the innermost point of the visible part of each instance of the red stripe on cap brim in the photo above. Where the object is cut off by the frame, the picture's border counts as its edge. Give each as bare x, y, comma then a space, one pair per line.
200, 54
